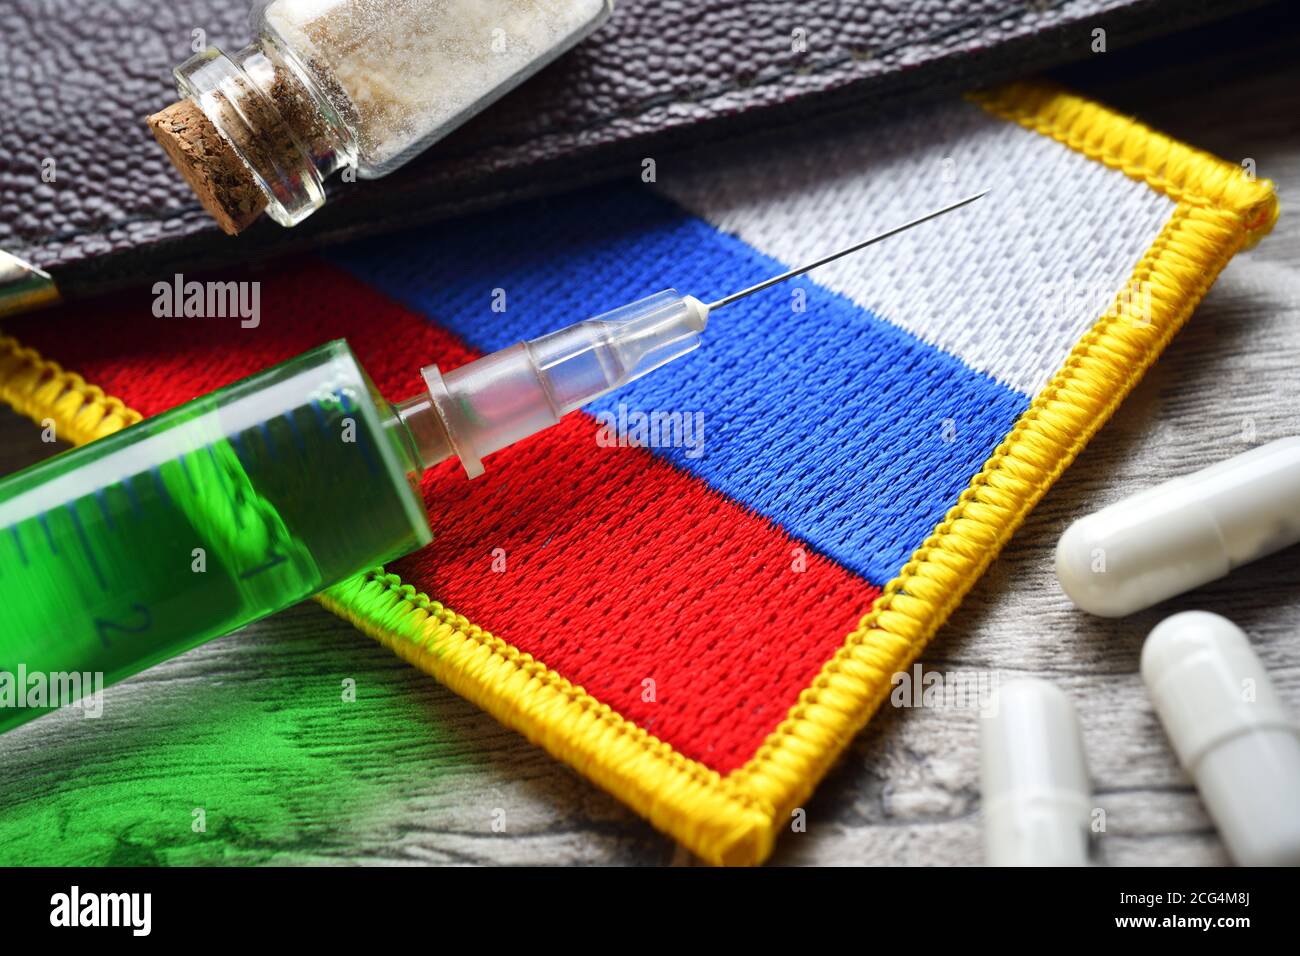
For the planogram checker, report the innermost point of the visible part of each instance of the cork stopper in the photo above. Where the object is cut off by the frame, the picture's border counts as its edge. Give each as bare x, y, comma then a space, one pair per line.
224, 185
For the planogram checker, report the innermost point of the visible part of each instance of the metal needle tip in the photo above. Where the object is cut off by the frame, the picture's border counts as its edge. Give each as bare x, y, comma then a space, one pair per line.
767, 283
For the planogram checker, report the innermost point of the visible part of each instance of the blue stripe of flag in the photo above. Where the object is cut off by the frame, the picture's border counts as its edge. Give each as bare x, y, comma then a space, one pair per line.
852, 434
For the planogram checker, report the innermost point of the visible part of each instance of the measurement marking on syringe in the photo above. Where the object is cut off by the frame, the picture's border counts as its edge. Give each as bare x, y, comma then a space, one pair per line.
232, 495
162, 488
85, 545
18, 542
321, 420
49, 535
132, 497
296, 432
268, 440
274, 560
322, 423
371, 465
101, 498
194, 489
104, 626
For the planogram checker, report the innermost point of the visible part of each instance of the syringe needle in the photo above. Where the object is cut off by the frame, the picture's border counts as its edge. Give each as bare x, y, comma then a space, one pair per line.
767, 283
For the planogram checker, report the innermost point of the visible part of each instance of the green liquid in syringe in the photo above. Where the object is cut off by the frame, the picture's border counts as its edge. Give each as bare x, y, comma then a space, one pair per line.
143, 544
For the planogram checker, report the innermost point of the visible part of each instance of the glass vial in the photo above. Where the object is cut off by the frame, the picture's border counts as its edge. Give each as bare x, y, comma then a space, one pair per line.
366, 84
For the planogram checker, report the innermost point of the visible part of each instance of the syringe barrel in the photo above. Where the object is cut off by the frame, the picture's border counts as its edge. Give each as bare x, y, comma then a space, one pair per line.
141, 545
501, 398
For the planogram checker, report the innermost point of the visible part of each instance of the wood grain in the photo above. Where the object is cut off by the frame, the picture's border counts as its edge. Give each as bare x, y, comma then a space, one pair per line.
252, 728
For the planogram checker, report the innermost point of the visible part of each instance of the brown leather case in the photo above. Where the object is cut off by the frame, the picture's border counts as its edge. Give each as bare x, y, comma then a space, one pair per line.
89, 197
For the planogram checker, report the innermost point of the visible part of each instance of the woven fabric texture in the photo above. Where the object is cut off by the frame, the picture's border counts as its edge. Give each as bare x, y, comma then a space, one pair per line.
796, 389
1007, 286
672, 619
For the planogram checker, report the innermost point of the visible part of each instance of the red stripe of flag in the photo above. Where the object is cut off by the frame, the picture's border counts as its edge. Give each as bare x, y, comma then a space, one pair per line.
661, 597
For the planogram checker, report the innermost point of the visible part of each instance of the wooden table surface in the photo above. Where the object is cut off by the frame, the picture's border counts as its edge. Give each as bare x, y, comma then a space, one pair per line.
252, 729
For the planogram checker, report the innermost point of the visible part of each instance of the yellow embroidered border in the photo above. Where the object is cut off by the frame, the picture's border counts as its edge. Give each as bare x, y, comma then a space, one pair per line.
40, 389
736, 818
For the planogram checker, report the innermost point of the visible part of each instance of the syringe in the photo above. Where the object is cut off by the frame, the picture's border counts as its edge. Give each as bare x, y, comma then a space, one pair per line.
136, 547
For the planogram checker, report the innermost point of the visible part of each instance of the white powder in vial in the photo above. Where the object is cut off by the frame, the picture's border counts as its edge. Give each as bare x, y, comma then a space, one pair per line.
412, 70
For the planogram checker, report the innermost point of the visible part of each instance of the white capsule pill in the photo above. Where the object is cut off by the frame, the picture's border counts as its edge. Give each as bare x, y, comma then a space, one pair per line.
1034, 779
1231, 733
1184, 533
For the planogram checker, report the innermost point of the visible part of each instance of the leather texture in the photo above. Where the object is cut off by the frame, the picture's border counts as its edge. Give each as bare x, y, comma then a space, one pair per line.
77, 78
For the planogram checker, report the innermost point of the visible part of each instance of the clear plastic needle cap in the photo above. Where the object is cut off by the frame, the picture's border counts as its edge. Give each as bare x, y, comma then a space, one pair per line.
511, 394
